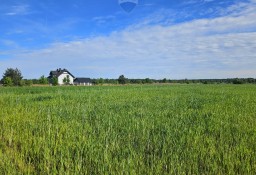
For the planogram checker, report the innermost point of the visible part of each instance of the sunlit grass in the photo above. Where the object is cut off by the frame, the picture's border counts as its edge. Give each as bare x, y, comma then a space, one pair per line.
175, 129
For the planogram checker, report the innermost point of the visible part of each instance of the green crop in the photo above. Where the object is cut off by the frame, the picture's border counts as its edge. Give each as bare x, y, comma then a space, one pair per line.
171, 129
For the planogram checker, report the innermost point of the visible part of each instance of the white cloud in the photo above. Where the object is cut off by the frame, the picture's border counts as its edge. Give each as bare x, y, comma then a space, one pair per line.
206, 48
103, 19
18, 10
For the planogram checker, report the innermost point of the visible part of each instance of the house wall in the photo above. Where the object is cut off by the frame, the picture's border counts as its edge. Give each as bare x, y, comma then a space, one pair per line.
62, 76
83, 84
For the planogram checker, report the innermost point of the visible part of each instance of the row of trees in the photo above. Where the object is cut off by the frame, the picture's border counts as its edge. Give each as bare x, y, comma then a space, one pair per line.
123, 80
13, 77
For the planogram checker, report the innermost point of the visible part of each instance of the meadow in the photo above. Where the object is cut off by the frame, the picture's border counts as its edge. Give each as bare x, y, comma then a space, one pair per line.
147, 129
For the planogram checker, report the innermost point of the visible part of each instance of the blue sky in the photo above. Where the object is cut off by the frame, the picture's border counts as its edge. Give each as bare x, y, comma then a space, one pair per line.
173, 39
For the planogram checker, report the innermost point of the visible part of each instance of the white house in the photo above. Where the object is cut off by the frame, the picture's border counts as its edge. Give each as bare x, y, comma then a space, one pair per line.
65, 77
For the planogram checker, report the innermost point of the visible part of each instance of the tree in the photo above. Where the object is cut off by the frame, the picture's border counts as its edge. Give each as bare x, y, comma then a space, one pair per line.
43, 80
237, 81
65, 80
25, 82
22, 83
54, 81
7, 81
14, 74
147, 81
122, 79
29, 82
101, 81
35, 81
68, 79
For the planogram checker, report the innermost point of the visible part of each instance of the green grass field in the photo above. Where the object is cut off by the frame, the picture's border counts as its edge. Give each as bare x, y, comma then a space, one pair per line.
171, 129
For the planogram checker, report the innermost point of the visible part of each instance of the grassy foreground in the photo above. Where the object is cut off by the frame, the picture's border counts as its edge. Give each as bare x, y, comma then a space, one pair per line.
175, 129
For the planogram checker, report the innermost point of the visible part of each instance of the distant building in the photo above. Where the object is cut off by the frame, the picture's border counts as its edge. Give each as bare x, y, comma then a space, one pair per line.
83, 81
65, 77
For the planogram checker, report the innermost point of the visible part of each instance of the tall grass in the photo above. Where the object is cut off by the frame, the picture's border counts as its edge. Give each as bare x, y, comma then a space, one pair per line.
178, 129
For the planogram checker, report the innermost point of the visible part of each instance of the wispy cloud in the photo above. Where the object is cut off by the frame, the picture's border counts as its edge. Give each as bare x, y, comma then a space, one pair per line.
146, 4
18, 10
8, 43
103, 19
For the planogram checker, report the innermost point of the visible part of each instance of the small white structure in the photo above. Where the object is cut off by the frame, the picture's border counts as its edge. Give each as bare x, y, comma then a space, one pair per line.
83, 81
65, 77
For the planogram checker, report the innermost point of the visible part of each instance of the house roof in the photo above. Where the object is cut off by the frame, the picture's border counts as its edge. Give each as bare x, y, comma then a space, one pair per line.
58, 72
82, 80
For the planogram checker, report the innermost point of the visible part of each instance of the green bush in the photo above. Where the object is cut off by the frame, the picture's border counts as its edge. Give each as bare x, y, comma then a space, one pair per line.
7, 81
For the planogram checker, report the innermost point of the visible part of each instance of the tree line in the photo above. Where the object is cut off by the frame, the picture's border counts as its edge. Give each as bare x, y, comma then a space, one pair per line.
13, 77
123, 80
